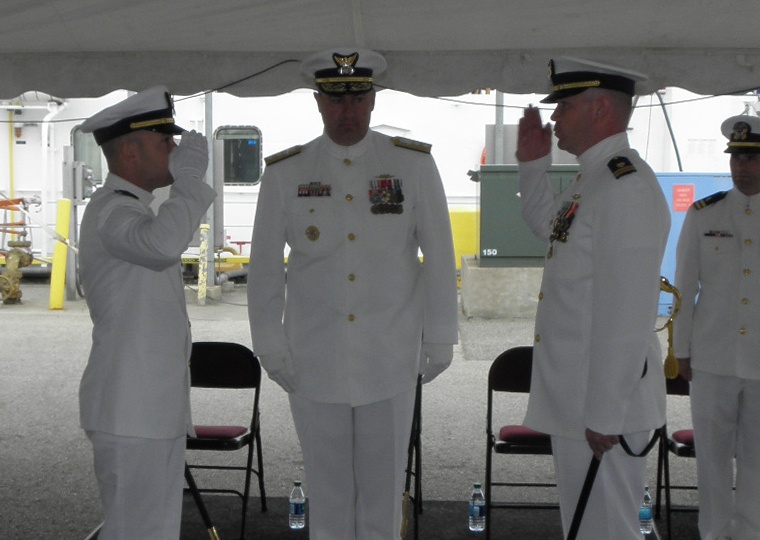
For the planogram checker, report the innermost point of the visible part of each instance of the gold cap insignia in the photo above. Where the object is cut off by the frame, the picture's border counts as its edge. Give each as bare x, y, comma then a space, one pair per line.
345, 63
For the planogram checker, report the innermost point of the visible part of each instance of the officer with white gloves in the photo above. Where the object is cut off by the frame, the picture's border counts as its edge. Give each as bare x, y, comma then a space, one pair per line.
135, 391
360, 316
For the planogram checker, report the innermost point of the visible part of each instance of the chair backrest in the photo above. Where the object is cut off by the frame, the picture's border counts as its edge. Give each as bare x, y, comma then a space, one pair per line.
677, 387
221, 364
511, 370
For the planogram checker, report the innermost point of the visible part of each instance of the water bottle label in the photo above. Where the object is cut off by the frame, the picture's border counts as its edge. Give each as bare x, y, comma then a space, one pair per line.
645, 513
296, 509
477, 510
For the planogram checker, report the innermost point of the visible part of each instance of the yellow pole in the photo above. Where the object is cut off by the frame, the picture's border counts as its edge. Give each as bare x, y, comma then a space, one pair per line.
203, 264
11, 165
11, 178
60, 251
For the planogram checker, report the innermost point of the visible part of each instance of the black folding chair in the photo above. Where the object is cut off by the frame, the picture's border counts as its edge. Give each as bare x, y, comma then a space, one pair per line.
223, 365
511, 372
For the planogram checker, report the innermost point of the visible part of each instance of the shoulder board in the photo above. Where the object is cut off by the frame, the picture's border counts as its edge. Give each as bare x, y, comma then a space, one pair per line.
710, 199
285, 154
125, 192
620, 166
412, 145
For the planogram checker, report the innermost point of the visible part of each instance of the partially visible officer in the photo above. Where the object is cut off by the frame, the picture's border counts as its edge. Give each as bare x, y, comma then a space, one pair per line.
135, 391
597, 364
355, 208
717, 338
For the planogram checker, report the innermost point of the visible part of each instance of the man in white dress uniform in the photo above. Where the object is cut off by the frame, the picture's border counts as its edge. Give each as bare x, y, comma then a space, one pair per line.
359, 315
597, 365
717, 339
135, 391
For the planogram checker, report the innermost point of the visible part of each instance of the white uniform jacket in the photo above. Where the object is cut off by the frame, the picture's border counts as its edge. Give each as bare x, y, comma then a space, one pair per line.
358, 300
718, 264
136, 382
598, 302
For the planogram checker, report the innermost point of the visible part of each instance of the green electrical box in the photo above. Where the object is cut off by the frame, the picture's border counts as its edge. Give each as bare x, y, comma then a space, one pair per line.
505, 239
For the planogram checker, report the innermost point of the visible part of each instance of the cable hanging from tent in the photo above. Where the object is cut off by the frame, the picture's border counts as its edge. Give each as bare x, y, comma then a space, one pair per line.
198, 94
233, 83
737, 93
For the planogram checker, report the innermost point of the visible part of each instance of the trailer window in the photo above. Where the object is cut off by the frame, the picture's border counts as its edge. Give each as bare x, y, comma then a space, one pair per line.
238, 148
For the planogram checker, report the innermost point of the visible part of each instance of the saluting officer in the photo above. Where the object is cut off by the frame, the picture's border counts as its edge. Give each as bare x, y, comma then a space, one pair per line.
717, 338
360, 316
597, 364
135, 391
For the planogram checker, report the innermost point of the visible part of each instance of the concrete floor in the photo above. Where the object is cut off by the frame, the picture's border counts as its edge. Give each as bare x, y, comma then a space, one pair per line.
48, 490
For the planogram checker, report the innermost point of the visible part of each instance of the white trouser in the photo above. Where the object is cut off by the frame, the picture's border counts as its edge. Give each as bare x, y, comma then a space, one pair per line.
141, 483
354, 459
725, 411
612, 511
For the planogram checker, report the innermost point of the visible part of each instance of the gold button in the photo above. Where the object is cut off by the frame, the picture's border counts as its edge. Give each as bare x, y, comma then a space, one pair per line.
347, 161
745, 301
742, 331
351, 277
541, 295
746, 271
748, 211
311, 210
351, 236
549, 255
748, 242
349, 197
576, 196
538, 338
351, 317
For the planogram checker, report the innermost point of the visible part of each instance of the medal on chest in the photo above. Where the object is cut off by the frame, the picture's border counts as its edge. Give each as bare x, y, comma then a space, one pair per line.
314, 189
561, 224
385, 195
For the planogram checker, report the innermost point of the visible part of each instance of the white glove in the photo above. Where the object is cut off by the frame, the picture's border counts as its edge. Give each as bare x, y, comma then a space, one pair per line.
434, 359
189, 160
279, 367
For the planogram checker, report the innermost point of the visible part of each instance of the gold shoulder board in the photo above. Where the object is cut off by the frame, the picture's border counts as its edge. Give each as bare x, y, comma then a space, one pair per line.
621, 166
412, 145
710, 199
285, 154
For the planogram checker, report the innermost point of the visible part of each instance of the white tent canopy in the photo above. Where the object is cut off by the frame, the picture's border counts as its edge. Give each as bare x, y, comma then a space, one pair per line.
83, 48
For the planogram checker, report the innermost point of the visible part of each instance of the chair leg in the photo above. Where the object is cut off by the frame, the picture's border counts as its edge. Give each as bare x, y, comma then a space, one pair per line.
657, 504
418, 467
246, 491
666, 468
260, 464
488, 488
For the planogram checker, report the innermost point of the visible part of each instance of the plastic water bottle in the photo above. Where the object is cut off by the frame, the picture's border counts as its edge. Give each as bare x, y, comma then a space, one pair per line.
477, 509
645, 513
297, 511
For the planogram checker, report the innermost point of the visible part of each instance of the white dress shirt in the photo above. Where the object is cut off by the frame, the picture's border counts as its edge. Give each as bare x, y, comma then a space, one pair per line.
137, 380
718, 276
358, 302
598, 301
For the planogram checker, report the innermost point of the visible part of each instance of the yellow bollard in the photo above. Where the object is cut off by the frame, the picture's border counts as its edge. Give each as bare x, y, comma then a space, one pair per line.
60, 251
203, 264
